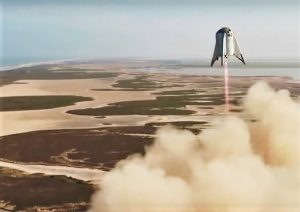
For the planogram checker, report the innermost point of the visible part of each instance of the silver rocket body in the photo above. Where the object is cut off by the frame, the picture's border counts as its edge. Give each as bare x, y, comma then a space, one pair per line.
226, 45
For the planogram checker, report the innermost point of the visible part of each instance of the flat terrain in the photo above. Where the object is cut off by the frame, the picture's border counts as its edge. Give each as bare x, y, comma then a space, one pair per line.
97, 148
94, 114
17, 103
20, 191
46, 73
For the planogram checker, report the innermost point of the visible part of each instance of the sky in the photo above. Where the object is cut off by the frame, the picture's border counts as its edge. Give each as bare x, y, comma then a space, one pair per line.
42, 30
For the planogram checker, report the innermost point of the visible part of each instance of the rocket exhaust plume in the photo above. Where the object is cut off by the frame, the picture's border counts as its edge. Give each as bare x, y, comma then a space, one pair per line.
226, 46
226, 85
233, 166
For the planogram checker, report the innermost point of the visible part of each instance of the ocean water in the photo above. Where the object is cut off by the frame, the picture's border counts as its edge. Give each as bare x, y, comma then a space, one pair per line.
18, 61
245, 71
12, 63
282, 68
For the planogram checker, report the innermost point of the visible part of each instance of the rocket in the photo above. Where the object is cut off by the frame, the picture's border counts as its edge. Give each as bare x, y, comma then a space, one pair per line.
226, 45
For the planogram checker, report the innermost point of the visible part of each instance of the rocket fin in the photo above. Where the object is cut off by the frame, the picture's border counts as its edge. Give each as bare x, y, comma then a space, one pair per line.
219, 48
241, 58
237, 51
215, 56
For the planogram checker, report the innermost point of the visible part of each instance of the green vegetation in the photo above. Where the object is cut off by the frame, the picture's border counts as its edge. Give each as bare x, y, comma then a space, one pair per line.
181, 124
130, 110
178, 92
97, 147
67, 69
124, 89
44, 73
193, 126
139, 83
162, 105
177, 123
16, 103
206, 108
236, 110
159, 106
27, 191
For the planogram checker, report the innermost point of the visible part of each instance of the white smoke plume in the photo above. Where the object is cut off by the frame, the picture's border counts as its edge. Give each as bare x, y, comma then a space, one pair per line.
235, 166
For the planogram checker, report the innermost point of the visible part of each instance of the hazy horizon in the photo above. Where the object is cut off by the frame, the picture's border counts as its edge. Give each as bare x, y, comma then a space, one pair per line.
55, 30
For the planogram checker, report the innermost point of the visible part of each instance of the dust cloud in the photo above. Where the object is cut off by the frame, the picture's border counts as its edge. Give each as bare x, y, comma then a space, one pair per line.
236, 165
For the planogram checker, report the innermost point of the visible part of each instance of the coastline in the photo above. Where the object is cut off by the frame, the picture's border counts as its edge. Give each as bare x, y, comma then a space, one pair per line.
254, 68
32, 64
